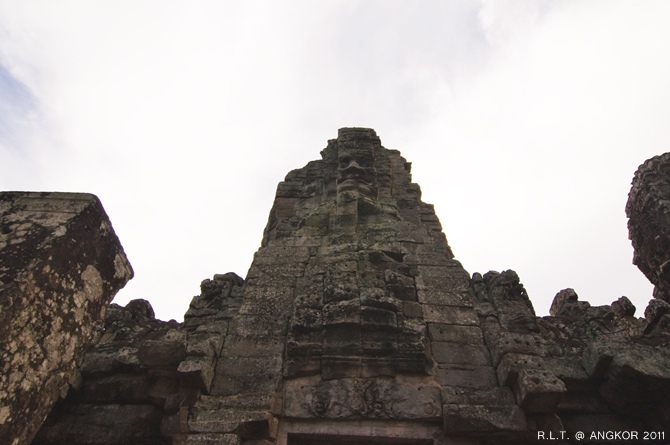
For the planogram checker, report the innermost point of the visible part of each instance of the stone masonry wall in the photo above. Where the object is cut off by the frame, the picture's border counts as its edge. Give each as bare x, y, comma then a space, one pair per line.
60, 266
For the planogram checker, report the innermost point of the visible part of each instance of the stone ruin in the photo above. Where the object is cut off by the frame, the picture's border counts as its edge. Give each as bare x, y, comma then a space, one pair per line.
356, 325
60, 266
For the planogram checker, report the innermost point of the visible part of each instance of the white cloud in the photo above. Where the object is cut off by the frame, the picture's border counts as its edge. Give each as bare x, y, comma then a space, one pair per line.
543, 145
524, 122
507, 23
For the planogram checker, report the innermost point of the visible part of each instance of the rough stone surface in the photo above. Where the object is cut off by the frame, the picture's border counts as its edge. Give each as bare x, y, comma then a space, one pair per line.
138, 361
60, 266
356, 322
648, 211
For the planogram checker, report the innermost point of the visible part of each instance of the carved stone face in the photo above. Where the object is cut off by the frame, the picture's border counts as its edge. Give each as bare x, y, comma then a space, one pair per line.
356, 171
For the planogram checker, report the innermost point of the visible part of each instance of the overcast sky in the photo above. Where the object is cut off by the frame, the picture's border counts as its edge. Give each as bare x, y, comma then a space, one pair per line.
524, 122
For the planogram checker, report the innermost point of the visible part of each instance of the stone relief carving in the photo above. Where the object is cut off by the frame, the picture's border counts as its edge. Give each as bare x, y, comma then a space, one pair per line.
364, 399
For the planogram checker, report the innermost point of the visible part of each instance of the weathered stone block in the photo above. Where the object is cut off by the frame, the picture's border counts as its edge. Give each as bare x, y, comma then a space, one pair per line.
444, 297
342, 312
412, 329
662, 326
306, 347
274, 299
104, 360
197, 372
157, 353
479, 419
412, 310
118, 388
647, 210
405, 293
457, 315
466, 375
456, 354
342, 220
306, 319
507, 293
204, 420
424, 257
249, 365
487, 396
465, 335
259, 325
377, 317
637, 377
273, 255
511, 342
203, 344
411, 347
396, 278
571, 372
295, 366
60, 266
404, 363
511, 364
623, 307
379, 337
340, 367
538, 391
519, 323
378, 367
561, 299
381, 299
240, 402
597, 358
230, 385
453, 279
342, 340
655, 310
252, 346
336, 292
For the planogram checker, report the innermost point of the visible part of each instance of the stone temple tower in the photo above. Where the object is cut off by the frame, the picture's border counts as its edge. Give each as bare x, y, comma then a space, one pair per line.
354, 308
356, 325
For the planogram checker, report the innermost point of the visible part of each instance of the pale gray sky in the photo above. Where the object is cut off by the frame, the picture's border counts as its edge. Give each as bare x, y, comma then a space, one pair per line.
524, 120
